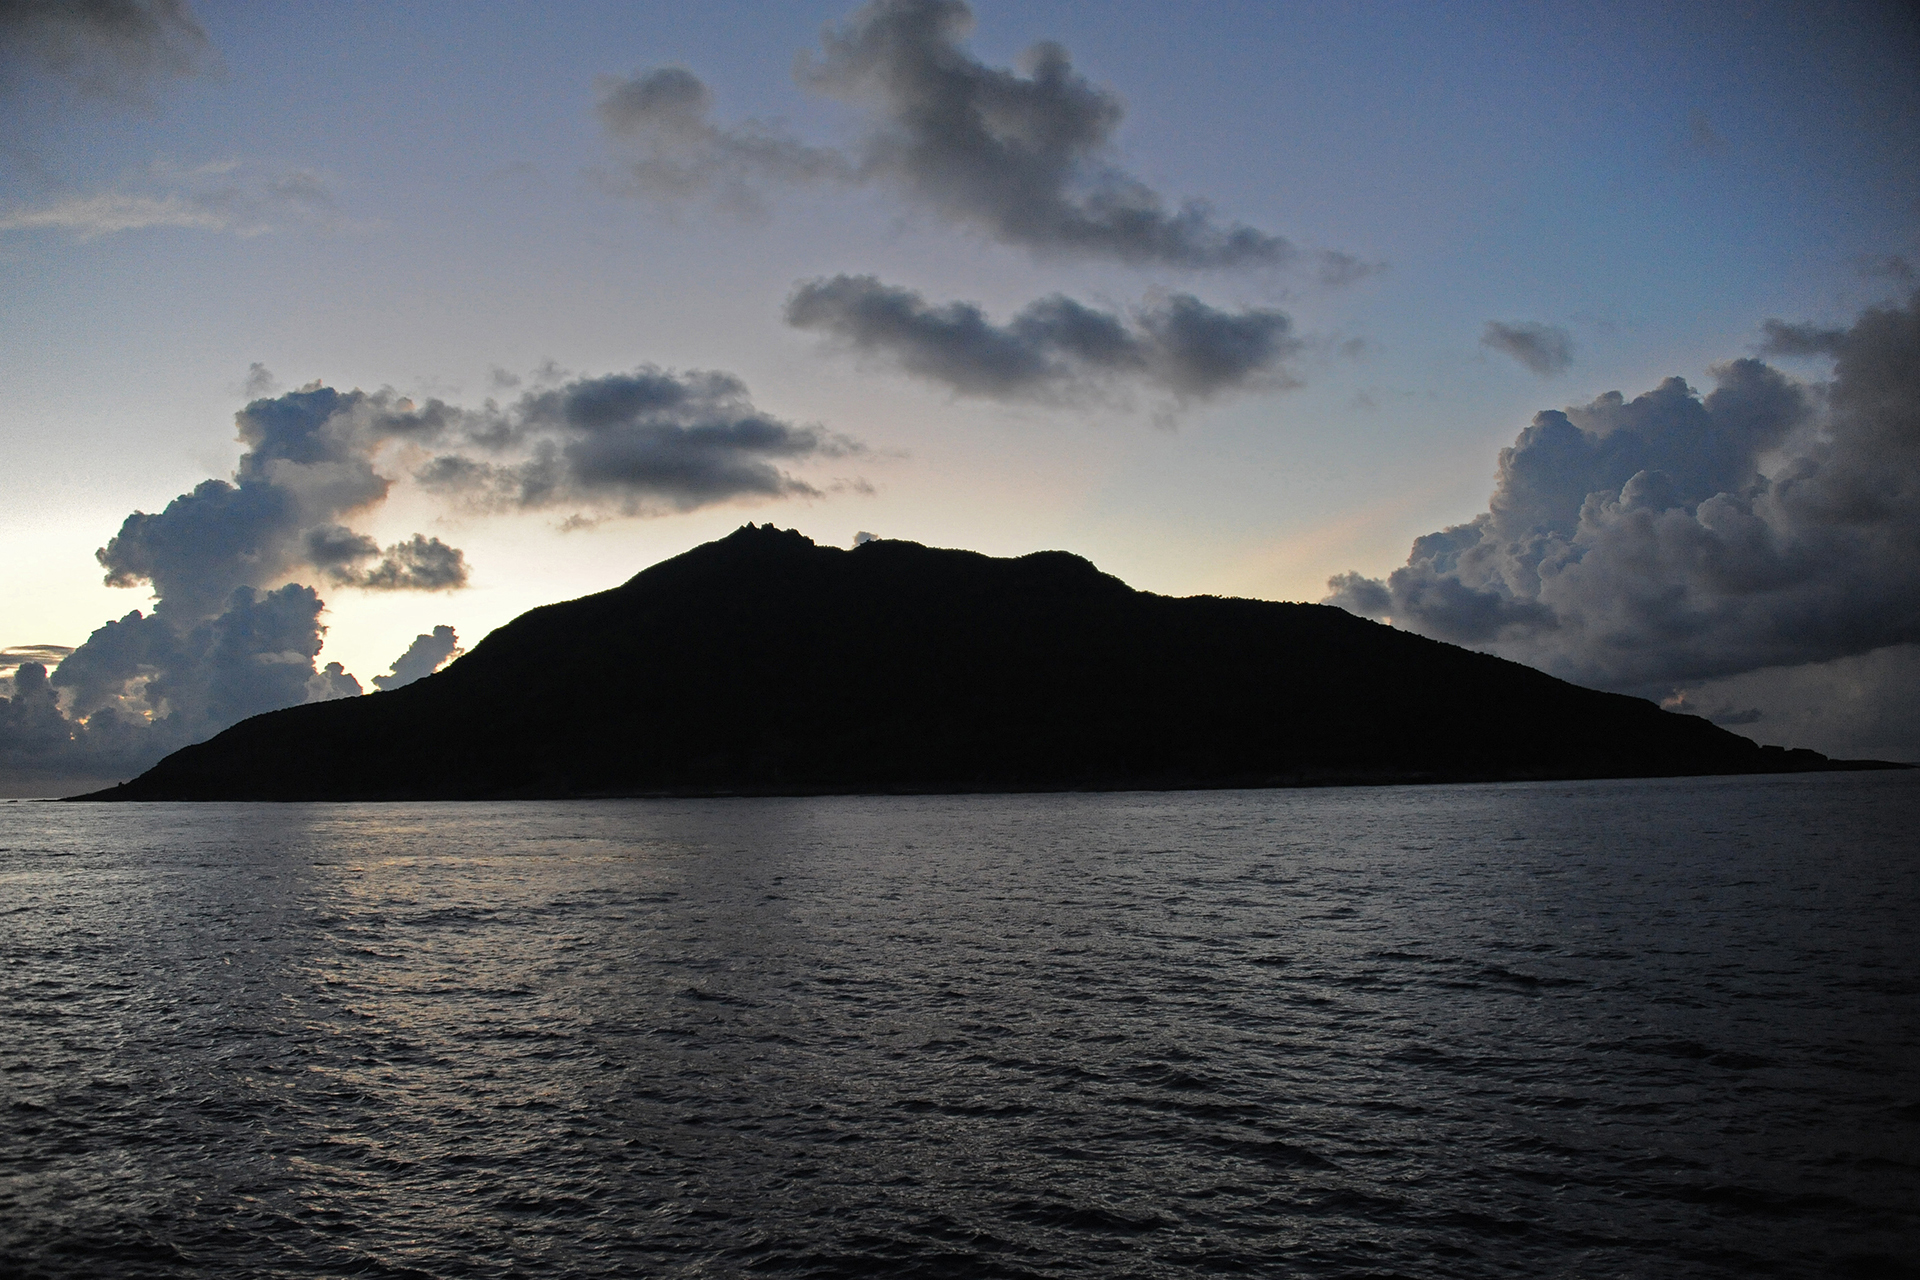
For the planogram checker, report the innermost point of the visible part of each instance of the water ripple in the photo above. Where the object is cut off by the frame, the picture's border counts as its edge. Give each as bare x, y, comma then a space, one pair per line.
1626, 1029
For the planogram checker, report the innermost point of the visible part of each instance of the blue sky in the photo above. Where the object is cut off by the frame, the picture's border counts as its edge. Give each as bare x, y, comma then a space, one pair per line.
415, 197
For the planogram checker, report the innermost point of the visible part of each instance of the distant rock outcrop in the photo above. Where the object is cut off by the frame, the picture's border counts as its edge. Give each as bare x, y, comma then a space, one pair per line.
762, 663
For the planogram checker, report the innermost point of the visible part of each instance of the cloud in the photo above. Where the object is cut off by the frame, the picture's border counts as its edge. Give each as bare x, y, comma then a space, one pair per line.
260, 381
1652, 544
1783, 339
224, 197
46, 654
34, 736
1054, 345
1702, 138
1021, 157
143, 685
665, 113
1543, 348
1893, 266
1024, 157
422, 658
1866, 705
418, 564
230, 636
331, 682
114, 49
643, 443
308, 466
1724, 714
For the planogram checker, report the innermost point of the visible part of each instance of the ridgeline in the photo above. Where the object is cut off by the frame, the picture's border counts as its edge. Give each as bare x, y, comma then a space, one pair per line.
763, 664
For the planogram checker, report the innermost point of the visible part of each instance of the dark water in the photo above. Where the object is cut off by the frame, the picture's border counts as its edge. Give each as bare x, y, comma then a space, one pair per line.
1659, 1029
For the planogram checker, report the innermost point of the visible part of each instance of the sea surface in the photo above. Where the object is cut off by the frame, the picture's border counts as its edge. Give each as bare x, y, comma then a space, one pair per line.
1618, 1029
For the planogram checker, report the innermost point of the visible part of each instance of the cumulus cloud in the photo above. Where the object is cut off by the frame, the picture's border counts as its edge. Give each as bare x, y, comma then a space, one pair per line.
308, 466
1543, 348
422, 658
418, 564
255, 655
643, 443
1023, 156
331, 682
115, 49
229, 635
227, 196
1652, 544
1179, 345
144, 685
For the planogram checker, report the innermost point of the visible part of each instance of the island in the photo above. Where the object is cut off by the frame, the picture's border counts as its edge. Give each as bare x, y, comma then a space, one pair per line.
764, 664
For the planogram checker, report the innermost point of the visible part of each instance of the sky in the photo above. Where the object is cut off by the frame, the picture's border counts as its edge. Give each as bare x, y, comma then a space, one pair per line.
344, 334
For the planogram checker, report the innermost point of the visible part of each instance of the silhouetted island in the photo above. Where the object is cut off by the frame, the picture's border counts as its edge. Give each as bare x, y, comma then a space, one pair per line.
763, 664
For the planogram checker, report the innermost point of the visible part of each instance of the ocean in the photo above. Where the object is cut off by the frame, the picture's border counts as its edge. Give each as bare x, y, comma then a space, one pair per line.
1663, 1028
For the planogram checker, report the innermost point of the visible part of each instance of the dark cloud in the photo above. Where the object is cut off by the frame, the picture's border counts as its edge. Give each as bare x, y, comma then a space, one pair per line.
1023, 156
646, 442
665, 115
422, 658
1862, 706
1702, 138
50, 655
1199, 351
1783, 339
1894, 266
418, 564
1543, 348
1181, 345
34, 737
1672, 539
117, 49
255, 655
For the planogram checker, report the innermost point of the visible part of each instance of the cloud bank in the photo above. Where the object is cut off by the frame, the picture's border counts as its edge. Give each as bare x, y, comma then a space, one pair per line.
1651, 544
115, 49
1180, 345
1024, 157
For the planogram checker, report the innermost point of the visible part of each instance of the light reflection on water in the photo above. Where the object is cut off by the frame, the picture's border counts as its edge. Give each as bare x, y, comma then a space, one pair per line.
1645, 1028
